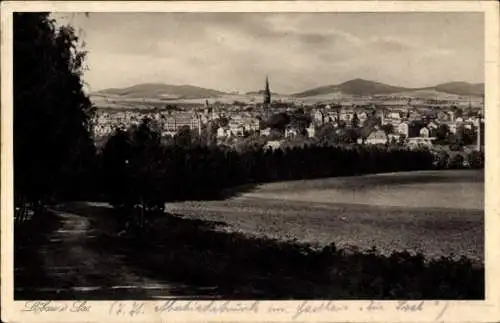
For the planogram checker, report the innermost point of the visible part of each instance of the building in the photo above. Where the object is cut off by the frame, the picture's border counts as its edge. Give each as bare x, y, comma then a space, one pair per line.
174, 122
424, 132
291, 132
273, 144
393, 138
311, 131
421, 141
377, 137
266, 132
318, 117
432, 125
223, 132
404, 129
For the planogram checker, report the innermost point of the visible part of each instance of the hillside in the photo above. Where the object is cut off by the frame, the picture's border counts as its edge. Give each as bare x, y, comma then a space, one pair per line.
162, 91
158, 92
461, 88
354, 87
362, 87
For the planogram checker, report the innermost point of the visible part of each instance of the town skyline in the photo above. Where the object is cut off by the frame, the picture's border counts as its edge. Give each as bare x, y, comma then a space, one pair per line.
232, 51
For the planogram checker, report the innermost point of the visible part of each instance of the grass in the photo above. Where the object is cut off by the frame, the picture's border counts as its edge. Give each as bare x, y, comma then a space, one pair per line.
436, 213
213, 263
235, 266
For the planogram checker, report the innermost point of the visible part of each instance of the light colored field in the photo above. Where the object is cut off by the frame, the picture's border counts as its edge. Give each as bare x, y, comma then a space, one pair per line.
437, 213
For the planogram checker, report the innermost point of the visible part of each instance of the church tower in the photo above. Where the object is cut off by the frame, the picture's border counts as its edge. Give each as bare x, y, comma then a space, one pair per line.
267, 93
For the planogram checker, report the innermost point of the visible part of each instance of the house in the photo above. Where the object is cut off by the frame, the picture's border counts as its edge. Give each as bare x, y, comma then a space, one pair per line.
251, 124
394, 115
319, 117
311, 131
238, 131
415, 115
223, 132
421, 141
432, 125
377, 137
266, 132
452, 126
404, 129
393, 137
291, 132
452, 116
424, 132
273, 144
362, 117
443, 116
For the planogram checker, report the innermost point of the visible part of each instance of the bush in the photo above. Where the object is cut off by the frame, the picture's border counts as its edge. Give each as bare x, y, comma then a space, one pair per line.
456, 162
476, 160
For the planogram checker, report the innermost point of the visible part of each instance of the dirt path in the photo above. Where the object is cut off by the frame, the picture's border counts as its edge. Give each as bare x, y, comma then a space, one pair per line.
82, 271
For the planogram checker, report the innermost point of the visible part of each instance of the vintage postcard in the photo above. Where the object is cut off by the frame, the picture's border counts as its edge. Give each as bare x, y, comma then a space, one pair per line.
250, 161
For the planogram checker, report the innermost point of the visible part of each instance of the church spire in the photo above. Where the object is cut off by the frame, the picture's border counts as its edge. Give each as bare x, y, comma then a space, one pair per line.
267, 93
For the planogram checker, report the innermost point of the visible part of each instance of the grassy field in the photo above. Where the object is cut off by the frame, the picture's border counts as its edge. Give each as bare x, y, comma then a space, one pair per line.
436, 213
240, 248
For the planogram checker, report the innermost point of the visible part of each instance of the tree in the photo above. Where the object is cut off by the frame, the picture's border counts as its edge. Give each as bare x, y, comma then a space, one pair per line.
355, 120
388, 128
184, 136
442, 159
53, 147
456, 161
115, 164
442, 133
326, 134
476, 159
278, 121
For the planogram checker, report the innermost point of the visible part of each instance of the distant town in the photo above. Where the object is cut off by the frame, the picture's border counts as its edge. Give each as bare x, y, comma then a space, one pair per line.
454, 123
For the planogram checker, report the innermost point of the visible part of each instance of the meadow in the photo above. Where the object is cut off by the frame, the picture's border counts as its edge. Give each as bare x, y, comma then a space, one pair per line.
435, 213
412, 235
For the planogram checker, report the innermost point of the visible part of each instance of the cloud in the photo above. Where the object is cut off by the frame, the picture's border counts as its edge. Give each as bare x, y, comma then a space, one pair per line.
234, 51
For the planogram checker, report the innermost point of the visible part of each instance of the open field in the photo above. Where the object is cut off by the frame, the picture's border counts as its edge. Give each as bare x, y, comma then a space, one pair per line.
239, 249
437, 213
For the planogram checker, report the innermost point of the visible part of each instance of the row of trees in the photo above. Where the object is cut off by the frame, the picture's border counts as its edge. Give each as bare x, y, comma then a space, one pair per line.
136, 167
53, 148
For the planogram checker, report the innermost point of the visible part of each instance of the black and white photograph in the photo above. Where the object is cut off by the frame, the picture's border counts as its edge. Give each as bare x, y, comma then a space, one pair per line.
248, 155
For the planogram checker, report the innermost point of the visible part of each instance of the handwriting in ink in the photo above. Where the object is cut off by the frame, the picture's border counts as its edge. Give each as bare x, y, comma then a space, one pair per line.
307, 307
80, 306
442, 311
373, 307
131, 309
211, 307
408, 306
50, 306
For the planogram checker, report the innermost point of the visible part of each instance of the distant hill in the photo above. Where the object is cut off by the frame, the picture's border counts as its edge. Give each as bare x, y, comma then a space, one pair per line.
461, 88
363, 87
357, 87
162, 91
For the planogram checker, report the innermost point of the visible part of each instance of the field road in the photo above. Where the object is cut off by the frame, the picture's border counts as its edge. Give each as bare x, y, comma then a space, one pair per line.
74, 269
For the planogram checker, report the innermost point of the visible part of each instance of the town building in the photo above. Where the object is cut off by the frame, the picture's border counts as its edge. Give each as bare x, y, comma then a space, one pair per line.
404, 129
424, 132
377, 137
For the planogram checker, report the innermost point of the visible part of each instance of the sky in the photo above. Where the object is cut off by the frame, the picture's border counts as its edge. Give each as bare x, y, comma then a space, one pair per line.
299, 51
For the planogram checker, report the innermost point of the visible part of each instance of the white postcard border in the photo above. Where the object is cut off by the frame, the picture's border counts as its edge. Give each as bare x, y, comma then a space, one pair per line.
445, 311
